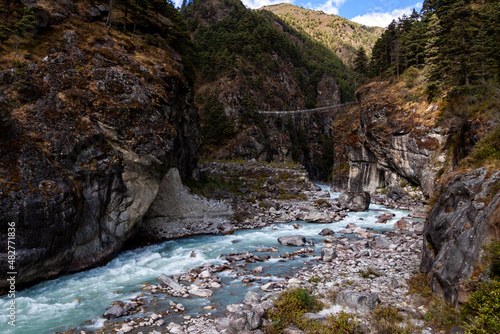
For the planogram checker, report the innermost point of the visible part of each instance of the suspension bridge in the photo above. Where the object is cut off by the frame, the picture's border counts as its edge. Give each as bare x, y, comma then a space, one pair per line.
303, 111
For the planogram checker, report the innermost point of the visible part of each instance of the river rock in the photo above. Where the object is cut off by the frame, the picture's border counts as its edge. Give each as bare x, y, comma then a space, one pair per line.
317, 217
170, 282
352, 226
114, 312
419, 212
233, 308
238, 321
326, 231
355, 201
402, 225
362, 302
328, 254
292, 240
314, 316
381, 242
203, 293
252, 298
382, 219
254, 320
175, 328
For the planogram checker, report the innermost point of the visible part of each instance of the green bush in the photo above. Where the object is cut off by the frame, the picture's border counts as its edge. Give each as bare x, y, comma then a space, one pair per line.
366, 273
487, 150
387, 320
481, 312
290, 306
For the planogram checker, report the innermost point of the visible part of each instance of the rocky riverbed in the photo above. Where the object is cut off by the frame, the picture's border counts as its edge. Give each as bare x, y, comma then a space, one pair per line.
352, 270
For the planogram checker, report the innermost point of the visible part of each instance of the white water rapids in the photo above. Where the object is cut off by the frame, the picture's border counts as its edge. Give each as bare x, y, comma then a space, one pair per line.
69, 301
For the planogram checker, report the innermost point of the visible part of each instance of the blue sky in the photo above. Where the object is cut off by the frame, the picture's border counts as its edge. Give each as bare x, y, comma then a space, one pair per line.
372, 12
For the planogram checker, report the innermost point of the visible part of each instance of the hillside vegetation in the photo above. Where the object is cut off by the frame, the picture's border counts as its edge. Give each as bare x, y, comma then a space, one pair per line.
450, 50
342, 36
253, 60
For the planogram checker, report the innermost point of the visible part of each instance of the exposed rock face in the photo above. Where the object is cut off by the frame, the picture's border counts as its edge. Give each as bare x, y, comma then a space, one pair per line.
176, 213
466, 216
355, 201
90, 132
390, 145
385, 156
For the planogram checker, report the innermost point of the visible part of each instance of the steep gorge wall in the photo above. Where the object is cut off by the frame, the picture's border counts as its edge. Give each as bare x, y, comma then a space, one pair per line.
466, 217
388, 145
90, 124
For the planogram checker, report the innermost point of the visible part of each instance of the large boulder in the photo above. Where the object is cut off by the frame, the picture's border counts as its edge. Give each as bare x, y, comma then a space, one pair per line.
114, 312
362, 302
292, 240
318, 217
328, 254
466, 216
355, 201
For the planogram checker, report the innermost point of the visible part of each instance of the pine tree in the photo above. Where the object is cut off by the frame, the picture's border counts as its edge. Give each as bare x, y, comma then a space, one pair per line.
456, 41
361, 63
24, 25
432, 55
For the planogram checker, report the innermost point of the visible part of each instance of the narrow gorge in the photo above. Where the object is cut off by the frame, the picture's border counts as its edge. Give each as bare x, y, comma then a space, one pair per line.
142, 191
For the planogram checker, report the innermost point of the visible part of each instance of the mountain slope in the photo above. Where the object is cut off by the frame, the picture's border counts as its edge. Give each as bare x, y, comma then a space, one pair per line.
91, 119
253, 60
342, 36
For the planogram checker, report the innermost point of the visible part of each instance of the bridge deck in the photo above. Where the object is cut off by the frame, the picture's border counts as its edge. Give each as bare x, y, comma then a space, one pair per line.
290, 112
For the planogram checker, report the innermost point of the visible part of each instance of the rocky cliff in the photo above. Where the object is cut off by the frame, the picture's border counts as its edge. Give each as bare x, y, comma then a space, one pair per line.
91, 120
466, 217
395, 142
389, 143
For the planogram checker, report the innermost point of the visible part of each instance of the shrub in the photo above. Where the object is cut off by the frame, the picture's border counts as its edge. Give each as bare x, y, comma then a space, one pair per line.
441, 314
421, 284
366, 273
342, 323
387, 320
481, 312
487, 150
492, 258
290, 306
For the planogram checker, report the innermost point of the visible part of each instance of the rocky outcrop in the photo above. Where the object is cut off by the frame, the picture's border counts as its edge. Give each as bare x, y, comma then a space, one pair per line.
466, 216
89, 132
177, 213
390, 146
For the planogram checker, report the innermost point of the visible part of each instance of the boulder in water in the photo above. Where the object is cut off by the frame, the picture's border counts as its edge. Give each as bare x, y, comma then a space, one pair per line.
114, 312
292, 240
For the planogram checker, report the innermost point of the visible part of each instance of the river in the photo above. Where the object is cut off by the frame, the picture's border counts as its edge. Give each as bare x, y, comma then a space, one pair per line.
79, 300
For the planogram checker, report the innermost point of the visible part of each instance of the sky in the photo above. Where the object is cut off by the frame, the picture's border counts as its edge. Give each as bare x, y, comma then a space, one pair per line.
371, 12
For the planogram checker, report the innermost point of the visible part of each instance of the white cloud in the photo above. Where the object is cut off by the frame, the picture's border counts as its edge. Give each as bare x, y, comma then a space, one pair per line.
331, 6
380, 19
261, 3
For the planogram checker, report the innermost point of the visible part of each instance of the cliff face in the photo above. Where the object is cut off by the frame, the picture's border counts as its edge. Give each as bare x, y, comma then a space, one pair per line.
466, 216
90, 124
390, 142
